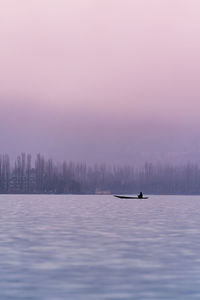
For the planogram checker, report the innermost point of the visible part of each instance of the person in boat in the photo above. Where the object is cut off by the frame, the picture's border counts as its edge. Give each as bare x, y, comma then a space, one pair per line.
140, 195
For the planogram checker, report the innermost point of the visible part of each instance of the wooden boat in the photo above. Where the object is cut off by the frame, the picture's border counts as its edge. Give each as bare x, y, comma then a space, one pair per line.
129, 197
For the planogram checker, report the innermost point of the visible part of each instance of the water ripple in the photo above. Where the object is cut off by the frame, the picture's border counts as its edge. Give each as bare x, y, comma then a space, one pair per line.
99, 247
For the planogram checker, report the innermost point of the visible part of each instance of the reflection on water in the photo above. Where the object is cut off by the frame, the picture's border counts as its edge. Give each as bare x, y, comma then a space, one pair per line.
99, 247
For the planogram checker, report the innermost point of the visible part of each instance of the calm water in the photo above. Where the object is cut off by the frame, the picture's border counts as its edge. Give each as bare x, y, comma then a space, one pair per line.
99, 247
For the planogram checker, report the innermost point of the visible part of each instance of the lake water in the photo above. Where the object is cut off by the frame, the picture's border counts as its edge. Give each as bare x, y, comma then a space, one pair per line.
99, 247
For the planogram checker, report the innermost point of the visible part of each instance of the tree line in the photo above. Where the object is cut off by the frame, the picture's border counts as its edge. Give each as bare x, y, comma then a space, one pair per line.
43, 175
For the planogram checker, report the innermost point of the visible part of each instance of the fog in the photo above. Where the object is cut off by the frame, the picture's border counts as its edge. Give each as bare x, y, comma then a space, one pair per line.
97, 137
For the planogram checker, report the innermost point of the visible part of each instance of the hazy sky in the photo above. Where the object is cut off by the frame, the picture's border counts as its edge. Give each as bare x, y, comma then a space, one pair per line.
100, 80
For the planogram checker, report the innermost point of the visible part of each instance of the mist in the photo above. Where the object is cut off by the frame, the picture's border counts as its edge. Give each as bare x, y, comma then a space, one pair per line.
83, 136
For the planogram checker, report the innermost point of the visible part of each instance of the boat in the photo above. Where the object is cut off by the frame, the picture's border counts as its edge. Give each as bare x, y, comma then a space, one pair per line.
129, 197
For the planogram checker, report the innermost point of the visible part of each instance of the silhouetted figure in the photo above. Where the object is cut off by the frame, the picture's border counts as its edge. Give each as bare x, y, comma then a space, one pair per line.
140, 195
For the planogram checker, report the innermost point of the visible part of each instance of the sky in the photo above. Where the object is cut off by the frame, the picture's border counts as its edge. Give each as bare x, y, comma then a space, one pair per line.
113, 81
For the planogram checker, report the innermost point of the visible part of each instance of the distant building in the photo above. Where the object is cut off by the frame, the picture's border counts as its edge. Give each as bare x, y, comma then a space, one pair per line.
100, 192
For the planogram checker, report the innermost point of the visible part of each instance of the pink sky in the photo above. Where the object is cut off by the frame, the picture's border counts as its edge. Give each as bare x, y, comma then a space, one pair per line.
100, 71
